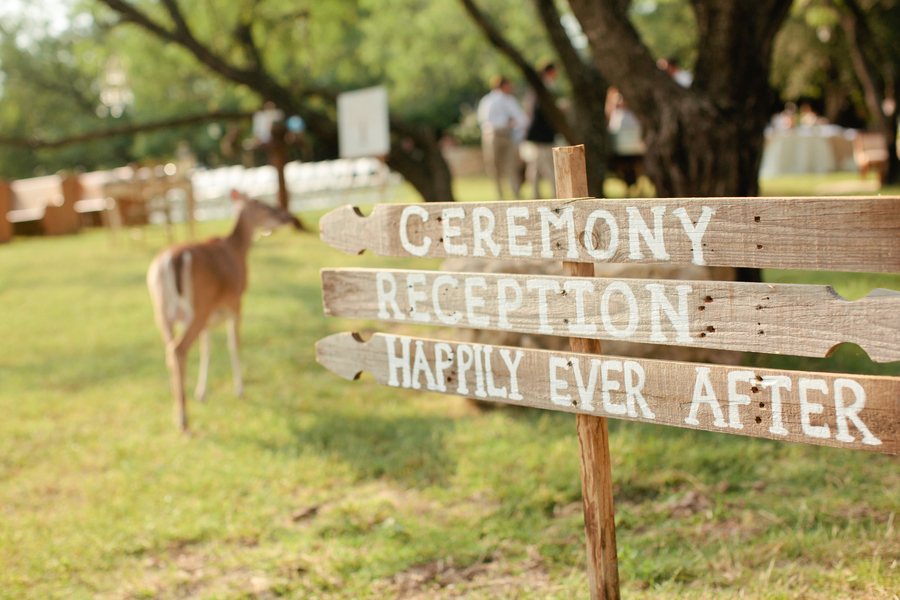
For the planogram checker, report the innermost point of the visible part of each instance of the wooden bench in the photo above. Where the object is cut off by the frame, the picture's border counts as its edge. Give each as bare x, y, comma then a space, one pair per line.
44, 205
870, 151
841, 410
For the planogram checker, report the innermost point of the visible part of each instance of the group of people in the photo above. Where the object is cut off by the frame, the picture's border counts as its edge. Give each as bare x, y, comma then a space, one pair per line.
517, 142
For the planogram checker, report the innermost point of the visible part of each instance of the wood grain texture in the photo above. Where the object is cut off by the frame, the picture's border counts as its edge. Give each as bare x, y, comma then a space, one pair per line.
594, 461
802, 320
815, 408
837, 234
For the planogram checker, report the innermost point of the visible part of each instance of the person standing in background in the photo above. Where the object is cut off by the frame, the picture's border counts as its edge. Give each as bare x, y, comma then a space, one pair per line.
671, 66
499, 115
537, 150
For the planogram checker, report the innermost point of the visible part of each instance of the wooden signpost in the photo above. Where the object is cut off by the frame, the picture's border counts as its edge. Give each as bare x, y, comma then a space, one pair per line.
846, 411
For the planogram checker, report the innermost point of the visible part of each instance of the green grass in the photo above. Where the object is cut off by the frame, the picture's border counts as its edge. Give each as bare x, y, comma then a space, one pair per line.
314, 487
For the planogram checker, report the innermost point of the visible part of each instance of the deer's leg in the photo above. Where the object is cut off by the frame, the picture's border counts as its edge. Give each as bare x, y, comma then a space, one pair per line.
234, 346
200, 390
177, 357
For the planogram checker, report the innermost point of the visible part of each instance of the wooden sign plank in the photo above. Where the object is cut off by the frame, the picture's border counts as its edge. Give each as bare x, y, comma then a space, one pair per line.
836, 234
846, 411
803, 320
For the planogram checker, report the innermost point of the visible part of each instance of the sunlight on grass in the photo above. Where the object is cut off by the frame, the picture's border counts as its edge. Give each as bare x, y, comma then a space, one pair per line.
314, 487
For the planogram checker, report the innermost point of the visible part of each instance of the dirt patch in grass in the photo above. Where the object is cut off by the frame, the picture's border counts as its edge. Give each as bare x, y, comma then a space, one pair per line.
491, 576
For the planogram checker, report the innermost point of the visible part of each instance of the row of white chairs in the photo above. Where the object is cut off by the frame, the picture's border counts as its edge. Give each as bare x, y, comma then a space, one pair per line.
310, 186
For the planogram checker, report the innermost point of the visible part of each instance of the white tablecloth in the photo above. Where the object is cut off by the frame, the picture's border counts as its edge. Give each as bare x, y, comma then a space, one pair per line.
821, 149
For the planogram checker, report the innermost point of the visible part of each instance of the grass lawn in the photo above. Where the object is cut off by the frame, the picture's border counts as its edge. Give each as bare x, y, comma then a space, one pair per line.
314, 487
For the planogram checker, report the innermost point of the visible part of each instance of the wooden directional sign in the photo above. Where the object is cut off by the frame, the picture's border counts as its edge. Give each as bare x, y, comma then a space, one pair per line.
839, 234
848, 411
803, 320
835, 234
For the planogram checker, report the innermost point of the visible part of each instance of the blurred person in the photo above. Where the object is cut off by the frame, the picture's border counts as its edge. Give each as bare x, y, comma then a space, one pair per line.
499, 116
681, 77
537, 149
808, 116
624, 127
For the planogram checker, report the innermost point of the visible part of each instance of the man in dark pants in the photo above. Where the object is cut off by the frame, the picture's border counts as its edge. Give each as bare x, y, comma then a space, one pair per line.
538, 149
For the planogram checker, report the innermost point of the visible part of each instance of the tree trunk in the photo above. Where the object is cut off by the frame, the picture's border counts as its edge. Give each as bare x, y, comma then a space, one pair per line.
416, 154
706, 140
420, 161
590, 127
868, 63
588, 98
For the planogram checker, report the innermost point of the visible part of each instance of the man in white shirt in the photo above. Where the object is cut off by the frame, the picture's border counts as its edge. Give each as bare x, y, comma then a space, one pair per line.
502, 121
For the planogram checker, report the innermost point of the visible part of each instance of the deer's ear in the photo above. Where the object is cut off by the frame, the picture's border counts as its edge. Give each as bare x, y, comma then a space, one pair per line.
236, 195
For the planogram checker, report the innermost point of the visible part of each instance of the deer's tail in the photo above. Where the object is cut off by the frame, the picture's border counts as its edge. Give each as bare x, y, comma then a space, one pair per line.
171, 289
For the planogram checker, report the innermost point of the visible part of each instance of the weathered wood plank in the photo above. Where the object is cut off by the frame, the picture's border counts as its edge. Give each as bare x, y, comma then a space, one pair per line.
846, 411
594, 461
838, 234
802, 320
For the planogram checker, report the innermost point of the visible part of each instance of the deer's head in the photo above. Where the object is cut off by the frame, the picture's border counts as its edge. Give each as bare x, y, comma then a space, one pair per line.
260, 215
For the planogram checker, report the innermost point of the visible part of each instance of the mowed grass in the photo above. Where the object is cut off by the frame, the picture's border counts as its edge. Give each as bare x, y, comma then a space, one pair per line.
315, 487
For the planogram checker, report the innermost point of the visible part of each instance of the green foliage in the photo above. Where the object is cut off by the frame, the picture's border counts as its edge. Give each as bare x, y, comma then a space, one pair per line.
812, 59
668, 28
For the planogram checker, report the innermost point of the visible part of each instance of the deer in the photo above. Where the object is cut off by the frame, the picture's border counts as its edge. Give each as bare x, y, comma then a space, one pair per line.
198, 285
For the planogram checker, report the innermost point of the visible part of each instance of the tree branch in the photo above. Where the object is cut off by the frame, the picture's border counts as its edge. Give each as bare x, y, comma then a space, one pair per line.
622, 56
34, 142
546, 99
568, 56
856, 28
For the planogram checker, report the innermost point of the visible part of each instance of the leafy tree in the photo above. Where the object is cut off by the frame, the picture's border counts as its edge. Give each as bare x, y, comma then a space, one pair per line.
253, 44
587, 124
52, 111
706, 140
846, 54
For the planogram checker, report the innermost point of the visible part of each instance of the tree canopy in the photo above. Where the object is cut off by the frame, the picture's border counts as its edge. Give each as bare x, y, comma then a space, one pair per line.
139, 65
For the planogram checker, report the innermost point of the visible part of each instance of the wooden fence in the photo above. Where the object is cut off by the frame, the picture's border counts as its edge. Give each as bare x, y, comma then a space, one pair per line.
840, 410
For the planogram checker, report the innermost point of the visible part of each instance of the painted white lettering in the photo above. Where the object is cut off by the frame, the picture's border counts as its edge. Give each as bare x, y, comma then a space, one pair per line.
777, 383
516, 231
608, 385
489, 375
415, 296
504, 306
452, 231
678, 318
420, 365
637, 227
387, 296
556, 384
464, 359
586, 392
580, 326
695, 232
395, 362
512, 366
483, 234
439, 282
851, 412
543, 286
473, 302
613, 243
735, 400
443, 359
479, 372
808, 408
622, 288
410, 210
704, 394
633, 390
558, 218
